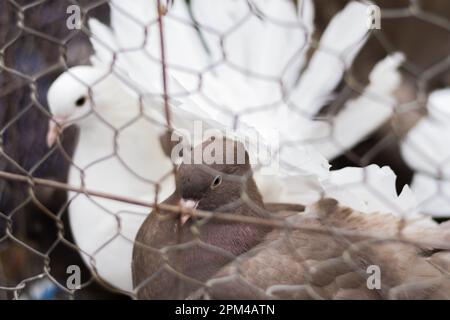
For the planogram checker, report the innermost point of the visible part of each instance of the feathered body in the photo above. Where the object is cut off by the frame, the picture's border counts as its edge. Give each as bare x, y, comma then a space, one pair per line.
215, 244
328, 255
325, 261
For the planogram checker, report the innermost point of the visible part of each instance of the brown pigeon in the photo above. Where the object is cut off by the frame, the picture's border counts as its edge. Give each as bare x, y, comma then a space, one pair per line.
323, 252
161, 267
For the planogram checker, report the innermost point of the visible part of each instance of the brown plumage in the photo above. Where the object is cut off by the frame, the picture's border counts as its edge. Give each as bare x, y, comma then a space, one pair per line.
302, 264
198, 260
217, 242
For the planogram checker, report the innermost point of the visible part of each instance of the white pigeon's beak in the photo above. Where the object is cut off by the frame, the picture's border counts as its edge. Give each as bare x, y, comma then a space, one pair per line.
188, 204
54, 126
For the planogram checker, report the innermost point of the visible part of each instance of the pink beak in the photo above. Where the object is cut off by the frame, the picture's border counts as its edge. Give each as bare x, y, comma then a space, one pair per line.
188, 204
54, 126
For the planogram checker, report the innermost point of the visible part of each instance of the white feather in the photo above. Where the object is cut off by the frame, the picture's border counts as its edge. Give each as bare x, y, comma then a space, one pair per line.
366, 113
425, 149
433, 195
118, 152
372, 189
341, 41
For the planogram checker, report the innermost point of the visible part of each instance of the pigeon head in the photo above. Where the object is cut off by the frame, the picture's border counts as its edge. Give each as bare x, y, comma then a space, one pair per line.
217, 176
77, 94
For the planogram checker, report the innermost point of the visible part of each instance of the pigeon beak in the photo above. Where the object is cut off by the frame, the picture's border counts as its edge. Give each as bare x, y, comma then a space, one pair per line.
54, 126
188, 204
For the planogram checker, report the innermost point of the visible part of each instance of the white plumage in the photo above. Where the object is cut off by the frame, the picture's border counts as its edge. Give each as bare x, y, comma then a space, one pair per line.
426, 150
118, 152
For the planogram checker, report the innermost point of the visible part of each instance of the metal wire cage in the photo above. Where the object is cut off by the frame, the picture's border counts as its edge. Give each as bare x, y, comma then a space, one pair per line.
41, 39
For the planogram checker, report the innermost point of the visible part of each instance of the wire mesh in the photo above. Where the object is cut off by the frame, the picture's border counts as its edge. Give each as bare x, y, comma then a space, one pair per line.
45, 230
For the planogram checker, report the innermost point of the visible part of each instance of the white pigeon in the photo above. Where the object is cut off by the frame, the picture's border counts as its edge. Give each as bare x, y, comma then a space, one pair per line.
426, 150
118, 152
249, 52
118, 107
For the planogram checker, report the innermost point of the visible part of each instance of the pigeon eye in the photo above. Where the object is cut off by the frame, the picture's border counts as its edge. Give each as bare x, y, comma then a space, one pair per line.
80, 101
216, 182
